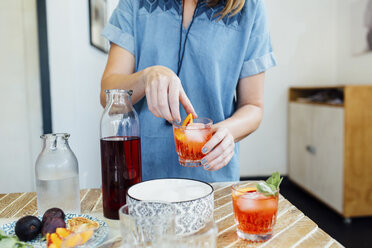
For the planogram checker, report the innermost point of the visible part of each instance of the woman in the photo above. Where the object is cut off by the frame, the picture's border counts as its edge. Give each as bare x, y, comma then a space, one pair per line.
208, 56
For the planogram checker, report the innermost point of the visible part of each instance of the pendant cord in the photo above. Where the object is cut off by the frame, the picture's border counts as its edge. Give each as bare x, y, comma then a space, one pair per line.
180, 56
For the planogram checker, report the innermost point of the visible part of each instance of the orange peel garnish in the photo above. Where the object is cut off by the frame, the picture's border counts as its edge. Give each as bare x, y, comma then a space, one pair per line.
188, 120
244, 190
179, 134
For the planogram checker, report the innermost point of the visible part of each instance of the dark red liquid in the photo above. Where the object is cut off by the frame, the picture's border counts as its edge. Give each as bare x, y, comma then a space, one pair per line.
121, 168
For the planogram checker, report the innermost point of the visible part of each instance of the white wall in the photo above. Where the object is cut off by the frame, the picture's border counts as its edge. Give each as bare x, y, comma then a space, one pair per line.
21, 121
304, 40
75, 72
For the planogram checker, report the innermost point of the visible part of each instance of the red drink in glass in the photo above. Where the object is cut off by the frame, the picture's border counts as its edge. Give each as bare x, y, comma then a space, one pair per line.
121, 168
190, 139
255, 213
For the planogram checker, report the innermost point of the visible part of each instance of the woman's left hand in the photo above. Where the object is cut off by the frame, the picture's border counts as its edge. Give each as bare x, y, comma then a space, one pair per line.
219, 150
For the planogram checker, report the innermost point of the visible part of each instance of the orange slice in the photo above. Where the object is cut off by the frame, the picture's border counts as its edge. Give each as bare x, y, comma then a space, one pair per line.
241, 191
179, 135
86, 235
63, 232
53, 240
76, 239
189, 119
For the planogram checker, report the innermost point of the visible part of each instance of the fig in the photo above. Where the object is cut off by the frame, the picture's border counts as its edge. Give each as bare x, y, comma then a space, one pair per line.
51, 224
53, 213
27, 228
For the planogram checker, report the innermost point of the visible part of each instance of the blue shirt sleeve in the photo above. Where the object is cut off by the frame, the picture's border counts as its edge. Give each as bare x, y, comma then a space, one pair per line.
119, 30
259, 54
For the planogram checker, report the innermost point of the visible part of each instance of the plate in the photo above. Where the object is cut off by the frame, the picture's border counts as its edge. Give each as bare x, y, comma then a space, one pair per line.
39, 242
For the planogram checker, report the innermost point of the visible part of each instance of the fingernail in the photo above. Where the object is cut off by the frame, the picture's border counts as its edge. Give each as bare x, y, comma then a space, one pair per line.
203, 161
204, 150
207, 166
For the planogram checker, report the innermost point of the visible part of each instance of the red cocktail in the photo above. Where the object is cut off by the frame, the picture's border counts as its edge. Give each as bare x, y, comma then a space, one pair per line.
255, 213
190, 139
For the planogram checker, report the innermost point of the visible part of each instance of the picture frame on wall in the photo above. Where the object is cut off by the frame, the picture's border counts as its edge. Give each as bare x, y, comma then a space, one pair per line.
99, 14
368, 24
361, 27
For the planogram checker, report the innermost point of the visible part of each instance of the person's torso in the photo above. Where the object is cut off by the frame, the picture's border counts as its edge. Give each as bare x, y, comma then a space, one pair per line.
213, 57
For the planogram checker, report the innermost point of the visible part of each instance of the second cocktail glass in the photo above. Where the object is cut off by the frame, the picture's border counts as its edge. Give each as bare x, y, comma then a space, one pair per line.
255, 213
190, 140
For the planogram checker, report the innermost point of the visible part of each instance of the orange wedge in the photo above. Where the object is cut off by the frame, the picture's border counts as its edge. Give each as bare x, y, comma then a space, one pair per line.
179, 135
63, 232
86, 235
73, 240
248, 189
53, 240
188, 120
241, 191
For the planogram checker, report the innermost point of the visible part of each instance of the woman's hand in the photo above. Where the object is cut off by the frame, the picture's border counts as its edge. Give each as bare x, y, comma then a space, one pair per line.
164, 92
219, 150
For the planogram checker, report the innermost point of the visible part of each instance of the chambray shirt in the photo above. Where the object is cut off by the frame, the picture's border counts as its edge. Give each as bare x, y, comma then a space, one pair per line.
217, 54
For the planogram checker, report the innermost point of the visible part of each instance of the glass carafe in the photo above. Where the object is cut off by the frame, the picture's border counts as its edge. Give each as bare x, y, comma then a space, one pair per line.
120, 150
57, 175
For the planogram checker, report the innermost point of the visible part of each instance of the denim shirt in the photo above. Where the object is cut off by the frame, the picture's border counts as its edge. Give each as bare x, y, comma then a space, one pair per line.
217, 54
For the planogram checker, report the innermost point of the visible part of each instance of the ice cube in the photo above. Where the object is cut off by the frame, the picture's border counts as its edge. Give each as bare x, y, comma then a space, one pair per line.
247, 205
195, 125
270, 205
195, 135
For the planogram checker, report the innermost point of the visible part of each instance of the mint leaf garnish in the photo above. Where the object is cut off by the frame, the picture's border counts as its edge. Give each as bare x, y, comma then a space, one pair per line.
275, 180
271, 186
265, 189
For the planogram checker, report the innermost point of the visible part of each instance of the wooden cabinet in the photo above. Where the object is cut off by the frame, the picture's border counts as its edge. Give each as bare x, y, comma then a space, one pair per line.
330, 148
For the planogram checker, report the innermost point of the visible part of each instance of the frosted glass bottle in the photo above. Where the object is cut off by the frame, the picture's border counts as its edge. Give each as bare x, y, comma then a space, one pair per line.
57, 175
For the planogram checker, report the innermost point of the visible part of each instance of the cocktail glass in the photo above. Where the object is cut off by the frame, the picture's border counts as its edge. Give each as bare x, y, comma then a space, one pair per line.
255, 213
190, 140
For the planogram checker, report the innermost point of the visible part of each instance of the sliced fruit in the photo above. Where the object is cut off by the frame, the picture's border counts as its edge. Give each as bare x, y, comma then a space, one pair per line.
179, 134
241, 191
76, 239
53, 240
78, 224
189, 119
86, 235
69, 238
248, 189
48, 240
63, 232
73, 240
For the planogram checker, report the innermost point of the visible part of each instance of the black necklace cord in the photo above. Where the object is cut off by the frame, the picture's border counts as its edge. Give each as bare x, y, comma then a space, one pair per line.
180, 57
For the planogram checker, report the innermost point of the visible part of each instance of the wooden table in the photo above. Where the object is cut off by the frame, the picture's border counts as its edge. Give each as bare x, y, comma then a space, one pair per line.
293, 228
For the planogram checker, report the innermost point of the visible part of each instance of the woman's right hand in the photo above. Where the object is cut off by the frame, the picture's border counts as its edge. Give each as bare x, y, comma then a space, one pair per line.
164, 92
